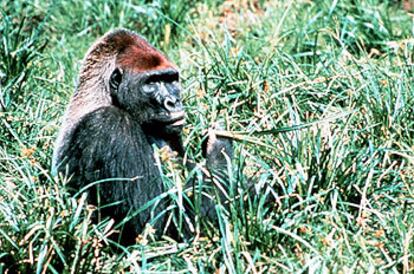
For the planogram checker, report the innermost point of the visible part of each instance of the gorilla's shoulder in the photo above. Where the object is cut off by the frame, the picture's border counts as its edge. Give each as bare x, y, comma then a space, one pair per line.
105, 114
107, 125
106, 120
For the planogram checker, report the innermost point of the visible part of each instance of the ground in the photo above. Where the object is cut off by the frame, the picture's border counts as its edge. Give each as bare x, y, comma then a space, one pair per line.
317, 95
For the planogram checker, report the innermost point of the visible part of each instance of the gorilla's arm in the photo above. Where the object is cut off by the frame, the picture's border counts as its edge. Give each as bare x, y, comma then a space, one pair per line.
107, 144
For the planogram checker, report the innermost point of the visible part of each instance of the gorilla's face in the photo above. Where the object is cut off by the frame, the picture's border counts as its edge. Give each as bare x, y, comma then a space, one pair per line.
152, 98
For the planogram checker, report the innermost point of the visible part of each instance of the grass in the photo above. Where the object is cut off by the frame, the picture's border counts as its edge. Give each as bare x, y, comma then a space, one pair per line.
318, 96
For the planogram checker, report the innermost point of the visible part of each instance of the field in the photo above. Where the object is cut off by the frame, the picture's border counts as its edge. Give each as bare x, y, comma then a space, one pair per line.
318, 97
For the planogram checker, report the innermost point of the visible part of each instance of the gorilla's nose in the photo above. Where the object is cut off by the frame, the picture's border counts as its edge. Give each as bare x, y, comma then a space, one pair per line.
172, 104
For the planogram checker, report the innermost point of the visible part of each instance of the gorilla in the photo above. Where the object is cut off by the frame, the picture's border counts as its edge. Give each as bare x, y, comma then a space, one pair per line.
126, 101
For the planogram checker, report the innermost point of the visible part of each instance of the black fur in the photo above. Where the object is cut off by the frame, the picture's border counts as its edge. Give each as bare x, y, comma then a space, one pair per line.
108, 143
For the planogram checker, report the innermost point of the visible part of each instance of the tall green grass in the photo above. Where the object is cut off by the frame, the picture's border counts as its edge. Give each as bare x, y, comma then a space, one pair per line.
317, 96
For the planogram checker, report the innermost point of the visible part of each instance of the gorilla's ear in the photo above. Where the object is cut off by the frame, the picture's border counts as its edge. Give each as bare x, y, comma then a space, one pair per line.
115, 79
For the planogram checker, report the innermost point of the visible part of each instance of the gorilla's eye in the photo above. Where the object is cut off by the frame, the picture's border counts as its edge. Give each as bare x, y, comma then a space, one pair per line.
150, 88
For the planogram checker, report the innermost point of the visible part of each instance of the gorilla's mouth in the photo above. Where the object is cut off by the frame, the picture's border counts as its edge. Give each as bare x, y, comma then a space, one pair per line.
173, 119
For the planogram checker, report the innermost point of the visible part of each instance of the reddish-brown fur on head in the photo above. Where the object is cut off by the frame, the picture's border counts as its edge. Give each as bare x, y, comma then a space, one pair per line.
135, 53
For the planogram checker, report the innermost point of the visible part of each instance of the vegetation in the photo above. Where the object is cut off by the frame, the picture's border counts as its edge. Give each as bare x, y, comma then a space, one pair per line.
318, 95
